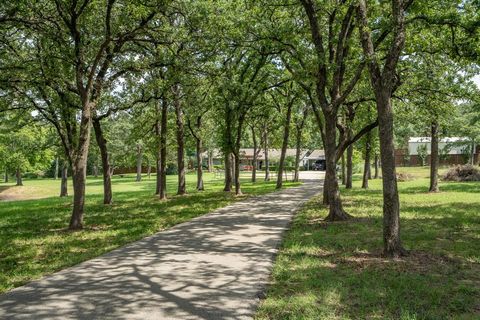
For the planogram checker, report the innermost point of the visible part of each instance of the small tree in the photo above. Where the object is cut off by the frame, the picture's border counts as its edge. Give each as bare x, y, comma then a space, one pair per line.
422, 152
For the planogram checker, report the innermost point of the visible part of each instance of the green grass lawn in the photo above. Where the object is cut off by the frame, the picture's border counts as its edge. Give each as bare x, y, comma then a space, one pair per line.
336, 271
33, 236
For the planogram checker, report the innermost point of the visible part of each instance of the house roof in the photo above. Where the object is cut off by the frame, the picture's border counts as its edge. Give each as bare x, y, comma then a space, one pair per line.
444, 140
272, 153
316, 154
248, 153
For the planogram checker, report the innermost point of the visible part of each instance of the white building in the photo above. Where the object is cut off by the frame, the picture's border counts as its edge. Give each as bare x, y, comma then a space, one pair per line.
454, 145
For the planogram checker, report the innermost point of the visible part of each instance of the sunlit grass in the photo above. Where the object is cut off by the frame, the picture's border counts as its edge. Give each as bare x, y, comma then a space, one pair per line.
33, 236
336, 271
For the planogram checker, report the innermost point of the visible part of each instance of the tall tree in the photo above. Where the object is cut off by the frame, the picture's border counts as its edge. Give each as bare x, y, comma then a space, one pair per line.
384, 82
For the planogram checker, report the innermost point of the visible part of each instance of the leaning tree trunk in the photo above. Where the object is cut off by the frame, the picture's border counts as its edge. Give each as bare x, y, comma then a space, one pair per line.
64, 183
434, 159
162, 192
349, 180
107, 178
139, 162
391, 203
255, 155
336, 212
182, 188
366, 169
18, 175
267, 160
286, 134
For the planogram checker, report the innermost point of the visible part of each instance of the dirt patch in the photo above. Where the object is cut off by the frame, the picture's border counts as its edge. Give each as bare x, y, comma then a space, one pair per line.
416, 261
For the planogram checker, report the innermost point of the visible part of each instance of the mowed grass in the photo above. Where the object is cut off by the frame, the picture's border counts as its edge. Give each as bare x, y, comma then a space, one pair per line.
336, 271
34, 240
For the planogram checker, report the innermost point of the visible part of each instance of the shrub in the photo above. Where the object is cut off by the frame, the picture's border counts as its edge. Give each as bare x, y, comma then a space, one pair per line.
172, 169
462, 173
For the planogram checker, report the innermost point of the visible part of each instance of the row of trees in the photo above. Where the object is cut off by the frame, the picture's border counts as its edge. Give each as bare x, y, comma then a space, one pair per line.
231, 73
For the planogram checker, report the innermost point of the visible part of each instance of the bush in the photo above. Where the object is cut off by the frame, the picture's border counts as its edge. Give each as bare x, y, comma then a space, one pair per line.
171, 169
462, 173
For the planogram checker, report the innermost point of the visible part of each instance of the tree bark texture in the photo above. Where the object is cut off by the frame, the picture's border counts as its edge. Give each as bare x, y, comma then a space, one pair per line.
55, 174
64, 182
182, 187
349, 180
366, 169
139, 162
162, 192
107, 178
286, 135
336, 212
18, 175
267, 160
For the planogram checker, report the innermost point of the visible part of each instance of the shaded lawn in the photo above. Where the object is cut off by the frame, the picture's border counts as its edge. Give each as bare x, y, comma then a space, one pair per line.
335, 270
34, 240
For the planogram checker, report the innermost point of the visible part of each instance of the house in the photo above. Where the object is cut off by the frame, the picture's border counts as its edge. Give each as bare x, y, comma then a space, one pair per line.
452, 150
246, 157
315, 160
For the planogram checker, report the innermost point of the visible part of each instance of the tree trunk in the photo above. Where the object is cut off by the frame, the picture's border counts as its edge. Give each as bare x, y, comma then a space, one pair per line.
210, 161
95, 170
349, 182
344, 171
255, 153
162, 192
228, 173
199, 158
336, 212
158, 179
6, 175
18, 175
376, 176
182, 188
286, 135
267, 161
298, 146
64, 183
383, 83
149, 170
79, 169
238, 189
366, 170
391, 203
434, 159
472, 153
107, 178
55, 173
139, 162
